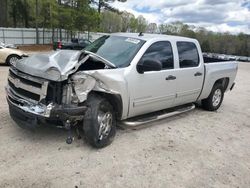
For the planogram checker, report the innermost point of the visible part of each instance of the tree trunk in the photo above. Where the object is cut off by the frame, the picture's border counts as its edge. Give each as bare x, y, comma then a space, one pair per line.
60, 26
53, 36
37, 33
43, 35
14, 16
26, 14
4, 13
99, 6
88, 33
99, 11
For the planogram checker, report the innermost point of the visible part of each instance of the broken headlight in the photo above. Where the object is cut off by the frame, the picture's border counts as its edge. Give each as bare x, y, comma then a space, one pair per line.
53, 72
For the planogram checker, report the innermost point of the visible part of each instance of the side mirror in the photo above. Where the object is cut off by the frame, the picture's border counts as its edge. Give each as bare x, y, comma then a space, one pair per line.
147, 64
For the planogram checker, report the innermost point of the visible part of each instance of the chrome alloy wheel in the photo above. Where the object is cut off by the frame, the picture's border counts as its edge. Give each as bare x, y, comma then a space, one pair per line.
217, 97
13, 59
105, 121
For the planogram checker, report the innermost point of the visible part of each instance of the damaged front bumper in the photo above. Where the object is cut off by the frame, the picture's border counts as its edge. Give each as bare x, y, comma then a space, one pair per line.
30, 115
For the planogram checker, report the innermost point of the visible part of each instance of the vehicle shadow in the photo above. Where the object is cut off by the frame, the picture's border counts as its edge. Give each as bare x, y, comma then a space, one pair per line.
49, 134
3, 65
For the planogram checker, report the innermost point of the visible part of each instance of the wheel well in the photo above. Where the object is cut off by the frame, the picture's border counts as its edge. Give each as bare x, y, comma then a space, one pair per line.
13, 55
10, 56
115, 100
224, 82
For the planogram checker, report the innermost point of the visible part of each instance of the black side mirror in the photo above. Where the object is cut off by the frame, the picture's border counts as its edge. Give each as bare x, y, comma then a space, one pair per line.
147, 64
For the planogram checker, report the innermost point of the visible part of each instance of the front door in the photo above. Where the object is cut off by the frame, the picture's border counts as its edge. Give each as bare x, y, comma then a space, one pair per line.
154, 90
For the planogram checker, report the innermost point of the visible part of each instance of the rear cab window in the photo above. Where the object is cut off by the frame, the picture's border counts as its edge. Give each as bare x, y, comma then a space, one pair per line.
188, 54
161, 51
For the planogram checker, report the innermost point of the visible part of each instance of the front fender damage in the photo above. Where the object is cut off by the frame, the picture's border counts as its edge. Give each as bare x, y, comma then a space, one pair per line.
83, 83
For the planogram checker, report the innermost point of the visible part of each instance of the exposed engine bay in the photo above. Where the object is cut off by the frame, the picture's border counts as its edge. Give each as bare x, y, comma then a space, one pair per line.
62, 78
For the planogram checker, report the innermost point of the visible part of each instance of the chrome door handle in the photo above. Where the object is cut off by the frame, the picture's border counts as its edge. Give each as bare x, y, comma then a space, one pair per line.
171, 77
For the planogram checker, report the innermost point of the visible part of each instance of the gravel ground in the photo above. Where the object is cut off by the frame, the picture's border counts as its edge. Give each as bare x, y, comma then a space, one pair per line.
197, 149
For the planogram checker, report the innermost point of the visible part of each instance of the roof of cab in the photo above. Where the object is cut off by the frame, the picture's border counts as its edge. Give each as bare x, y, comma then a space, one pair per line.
147, 36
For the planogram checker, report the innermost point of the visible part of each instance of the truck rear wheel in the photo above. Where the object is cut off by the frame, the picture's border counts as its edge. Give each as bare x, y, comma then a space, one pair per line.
214, 100
99, 124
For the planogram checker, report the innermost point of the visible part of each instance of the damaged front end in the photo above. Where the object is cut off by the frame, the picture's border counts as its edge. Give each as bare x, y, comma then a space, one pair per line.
54, 93
34, 101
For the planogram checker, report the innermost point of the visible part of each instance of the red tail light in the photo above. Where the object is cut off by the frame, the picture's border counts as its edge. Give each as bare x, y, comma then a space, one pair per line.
59, 44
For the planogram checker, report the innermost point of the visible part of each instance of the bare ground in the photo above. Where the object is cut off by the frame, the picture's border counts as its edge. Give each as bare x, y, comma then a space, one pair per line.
197, 149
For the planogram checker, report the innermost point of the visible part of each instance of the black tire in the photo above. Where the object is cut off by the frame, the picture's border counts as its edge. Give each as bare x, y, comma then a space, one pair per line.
208, 103
8, 60
98, 106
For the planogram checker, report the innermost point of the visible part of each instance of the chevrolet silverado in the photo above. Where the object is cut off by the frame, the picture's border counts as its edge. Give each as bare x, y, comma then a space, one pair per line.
122, 78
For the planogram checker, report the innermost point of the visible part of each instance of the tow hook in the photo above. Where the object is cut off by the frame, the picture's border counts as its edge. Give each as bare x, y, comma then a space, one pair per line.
69, 126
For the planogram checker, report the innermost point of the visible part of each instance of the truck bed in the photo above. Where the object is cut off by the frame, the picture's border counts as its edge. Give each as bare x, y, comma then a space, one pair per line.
215, 70
213, 60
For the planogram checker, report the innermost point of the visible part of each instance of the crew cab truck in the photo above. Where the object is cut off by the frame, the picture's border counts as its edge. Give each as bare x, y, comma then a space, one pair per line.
122, 78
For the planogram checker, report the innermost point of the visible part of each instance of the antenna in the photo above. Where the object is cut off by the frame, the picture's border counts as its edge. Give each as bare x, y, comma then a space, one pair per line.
140, 34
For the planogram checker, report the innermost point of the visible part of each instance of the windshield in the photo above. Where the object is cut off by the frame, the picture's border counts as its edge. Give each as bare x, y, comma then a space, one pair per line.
116, 49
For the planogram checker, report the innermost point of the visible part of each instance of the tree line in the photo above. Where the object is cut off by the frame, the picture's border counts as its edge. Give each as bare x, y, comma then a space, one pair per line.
99, 15
222, 43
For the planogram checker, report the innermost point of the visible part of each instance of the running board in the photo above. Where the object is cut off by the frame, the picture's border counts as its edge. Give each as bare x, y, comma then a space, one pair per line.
137, 121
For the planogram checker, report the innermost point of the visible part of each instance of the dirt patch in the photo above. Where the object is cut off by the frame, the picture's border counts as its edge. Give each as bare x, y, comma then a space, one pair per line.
197, 149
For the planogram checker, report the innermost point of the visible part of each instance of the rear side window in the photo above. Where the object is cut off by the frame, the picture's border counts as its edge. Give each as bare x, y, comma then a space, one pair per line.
188, 54
161, 51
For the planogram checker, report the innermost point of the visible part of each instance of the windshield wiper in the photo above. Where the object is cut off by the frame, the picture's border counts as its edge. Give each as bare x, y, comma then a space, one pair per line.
107, 62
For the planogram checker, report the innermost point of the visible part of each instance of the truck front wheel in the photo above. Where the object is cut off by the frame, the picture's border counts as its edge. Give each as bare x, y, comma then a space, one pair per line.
99, 124
215, 98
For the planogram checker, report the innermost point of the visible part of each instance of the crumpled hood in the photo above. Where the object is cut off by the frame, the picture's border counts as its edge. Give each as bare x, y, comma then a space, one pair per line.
53, 66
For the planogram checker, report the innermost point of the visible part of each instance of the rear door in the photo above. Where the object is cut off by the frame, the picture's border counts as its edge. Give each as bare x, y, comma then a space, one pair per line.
153, 90
190, 73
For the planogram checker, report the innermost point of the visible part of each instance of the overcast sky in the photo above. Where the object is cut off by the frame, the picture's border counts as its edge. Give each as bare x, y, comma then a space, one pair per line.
215, 15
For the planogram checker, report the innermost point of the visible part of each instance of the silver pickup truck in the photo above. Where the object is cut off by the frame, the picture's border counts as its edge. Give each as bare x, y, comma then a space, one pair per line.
123, 78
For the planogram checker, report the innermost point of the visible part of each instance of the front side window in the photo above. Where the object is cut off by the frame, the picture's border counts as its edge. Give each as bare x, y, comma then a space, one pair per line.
161, 51
188, 54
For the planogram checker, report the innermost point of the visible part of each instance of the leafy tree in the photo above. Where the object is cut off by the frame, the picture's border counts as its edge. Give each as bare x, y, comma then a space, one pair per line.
126, 18
142, 24
152, 28
105, 4
110, 22
86, 18
81, 15
133, 24
21, 12
205, 46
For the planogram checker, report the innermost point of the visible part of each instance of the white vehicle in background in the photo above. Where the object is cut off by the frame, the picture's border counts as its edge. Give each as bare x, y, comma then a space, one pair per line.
13, 46
10, 55
244, 59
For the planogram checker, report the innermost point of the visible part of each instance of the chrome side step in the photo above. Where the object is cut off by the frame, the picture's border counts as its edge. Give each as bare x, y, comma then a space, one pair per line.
137, 121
